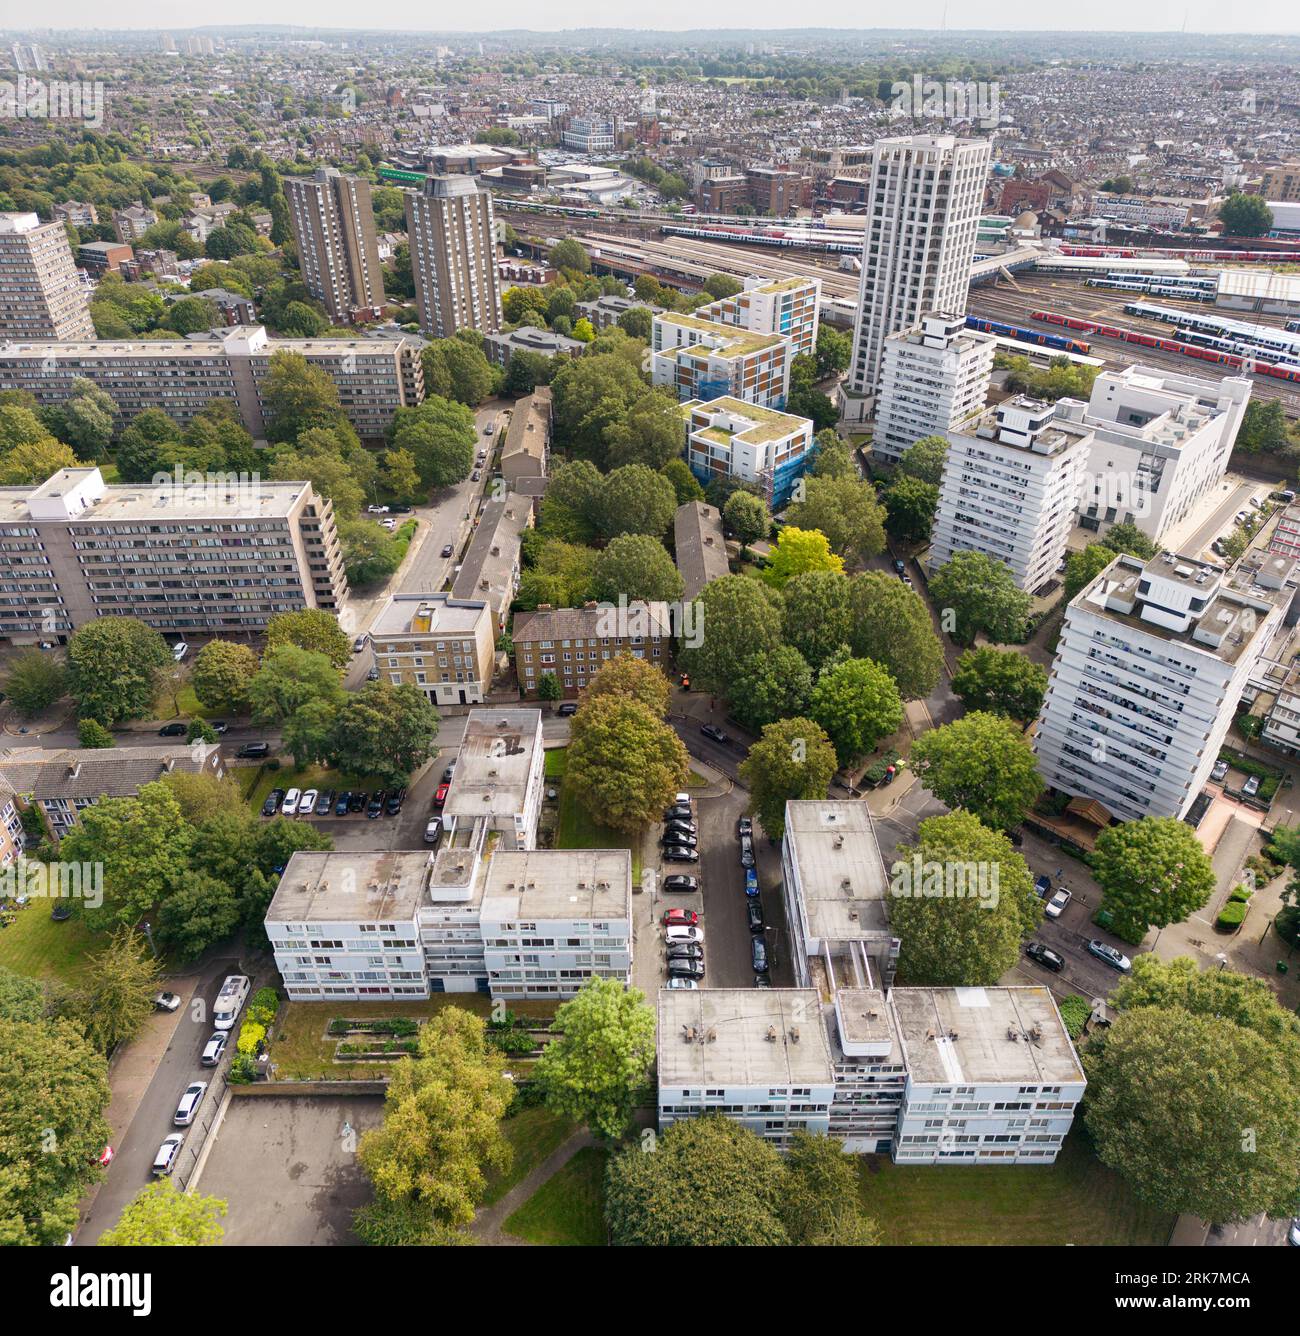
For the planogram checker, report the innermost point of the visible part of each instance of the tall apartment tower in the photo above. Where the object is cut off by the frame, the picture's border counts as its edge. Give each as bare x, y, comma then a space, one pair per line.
923, 210
1010, 487
41, 296
453, 256
933, 379
338, 251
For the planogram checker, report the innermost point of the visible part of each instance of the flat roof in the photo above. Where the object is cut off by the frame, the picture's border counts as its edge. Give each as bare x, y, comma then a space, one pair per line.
558, 884
364, 887
973, 1036
492, 765
451, 616
742, 1037
841, 871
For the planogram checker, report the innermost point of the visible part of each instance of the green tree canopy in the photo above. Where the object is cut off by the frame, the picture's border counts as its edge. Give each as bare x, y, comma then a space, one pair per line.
1154, 872
114, 663
161, 1216
1001, 682
856, 702
983, 763
636, 566
384, 730
793, 759
975, 593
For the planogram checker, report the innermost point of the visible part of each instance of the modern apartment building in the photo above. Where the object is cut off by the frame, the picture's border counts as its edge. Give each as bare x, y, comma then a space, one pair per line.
573, 644
133, 222
705, 359
785, 306
441, 645
1011, 483
224, 556
1282, 183
590, 134
1161, 444
933, 379
922, 217
1151, 661
375, 377
453, 256
728, 438
338, 252
41, 296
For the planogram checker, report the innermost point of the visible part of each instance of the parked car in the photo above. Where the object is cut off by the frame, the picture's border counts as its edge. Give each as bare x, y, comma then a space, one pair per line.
678, 981
713, 732
678, 839
358, 644
751, 882
251, 750
376, 510
745, 826
758, 955
681, 933
189, 1103
754, 913
685, 951
433, 830
373, 675
179, 651
678, 811
399, 510
1219, 772
389, 523
166, 1001
567, 709
681, 799
1042, 886
356, 801
686, 969
680, 883
325, 803
307, 803
476, 475
746, 851
1114, 958
177, 730
342, 803
448, 773
1056, 905
1045, 956
291, 801
394, 804
1251, 787
215, 1049
272, 803
1293, 1233
679, 853
375, 806
165, 1161
682, 824
900, 566
686, 917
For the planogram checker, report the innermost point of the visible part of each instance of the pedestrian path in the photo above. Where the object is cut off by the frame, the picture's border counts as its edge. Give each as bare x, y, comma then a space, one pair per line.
488, 1226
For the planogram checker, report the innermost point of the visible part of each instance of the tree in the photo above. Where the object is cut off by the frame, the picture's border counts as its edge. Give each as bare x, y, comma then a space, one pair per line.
638, 323
635, 499
160, 1215
191, 314
116, 997
87, 419
548, 688
651, 433
833, 352
846, 511
442, 1121
569, 254
910, 505
317, 458
856, 702
221, 675
36, 680
519, 303
1197, 1112
889, 622
975, 593
807, 402
631, 677
821, 1206
710, 1183
983, 763
771, 686
53, 1093
924, 459
297, 396
114, 664
1154, 872
289, 678
624, 762
816, 615
308, 732
793, 759
1082, 568
1264, 429
832, 459
93, 735
440, 436
32, 462
1001, 682
595, 1070
298, 320
1129, 538
200, 794
720, 286
747, 516
743, 617
406, 1224
462, 367
798, 551
141, 843
636, 566
685, 484
312, 629
385, 731
370, 553
1245, 216
400, 475
962, 901
197, 915
562, 574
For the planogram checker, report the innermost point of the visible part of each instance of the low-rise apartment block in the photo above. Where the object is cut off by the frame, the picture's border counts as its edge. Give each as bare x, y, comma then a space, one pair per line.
730, 438
491, 567
439, 644
606, 311
785, 306
705, 359
499, 774
526, 450
12, 838
222, 557
573, 644
500, 348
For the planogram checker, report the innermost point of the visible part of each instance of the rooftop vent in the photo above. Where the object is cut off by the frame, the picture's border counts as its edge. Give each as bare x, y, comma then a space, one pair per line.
771, 1034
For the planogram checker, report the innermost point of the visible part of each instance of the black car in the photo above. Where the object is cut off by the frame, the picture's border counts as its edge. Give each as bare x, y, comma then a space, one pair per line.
746, 851
376, 804
253, 749
1045, 956
686, 969
714, 732
219, 727
745, 828
680, 812
679, 839
754, 912
900, 566
681, 823
356, 801
679, 853
447, 550
681, 883
569, 707
173, 730
758, 954
686, 951
342, 806
399, 510
324, 802
272, 804
394, 803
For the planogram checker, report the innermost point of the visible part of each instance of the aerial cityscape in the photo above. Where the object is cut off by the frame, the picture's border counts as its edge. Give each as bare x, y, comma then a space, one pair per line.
650, 638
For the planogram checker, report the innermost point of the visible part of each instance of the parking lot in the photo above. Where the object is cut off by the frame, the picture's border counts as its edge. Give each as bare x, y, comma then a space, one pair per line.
287, 1168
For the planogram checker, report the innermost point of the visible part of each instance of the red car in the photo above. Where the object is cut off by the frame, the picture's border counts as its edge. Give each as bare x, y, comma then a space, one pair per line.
686, 917
441, 796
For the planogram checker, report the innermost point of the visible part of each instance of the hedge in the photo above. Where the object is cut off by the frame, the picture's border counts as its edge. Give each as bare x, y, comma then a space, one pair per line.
1075, 1011
1231, 916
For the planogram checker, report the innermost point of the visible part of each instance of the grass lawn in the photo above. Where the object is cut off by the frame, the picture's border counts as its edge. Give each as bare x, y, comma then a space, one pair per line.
568, 1210
533, 1134
301, 1051
1077, 1200
576, 828
165, 707
33, 944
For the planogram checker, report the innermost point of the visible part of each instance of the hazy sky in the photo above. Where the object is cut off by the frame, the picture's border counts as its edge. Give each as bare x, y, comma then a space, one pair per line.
1262, 16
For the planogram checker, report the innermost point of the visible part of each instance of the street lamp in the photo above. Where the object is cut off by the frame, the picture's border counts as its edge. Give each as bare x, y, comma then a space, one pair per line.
1222, 960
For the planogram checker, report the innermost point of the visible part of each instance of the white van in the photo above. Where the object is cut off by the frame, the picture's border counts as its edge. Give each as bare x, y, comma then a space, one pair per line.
230, 1001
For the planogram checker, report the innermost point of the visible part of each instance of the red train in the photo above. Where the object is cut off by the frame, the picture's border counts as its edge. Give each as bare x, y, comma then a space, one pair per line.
1145, 340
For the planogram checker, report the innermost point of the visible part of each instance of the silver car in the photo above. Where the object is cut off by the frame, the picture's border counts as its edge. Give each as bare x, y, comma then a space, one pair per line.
189, 1104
